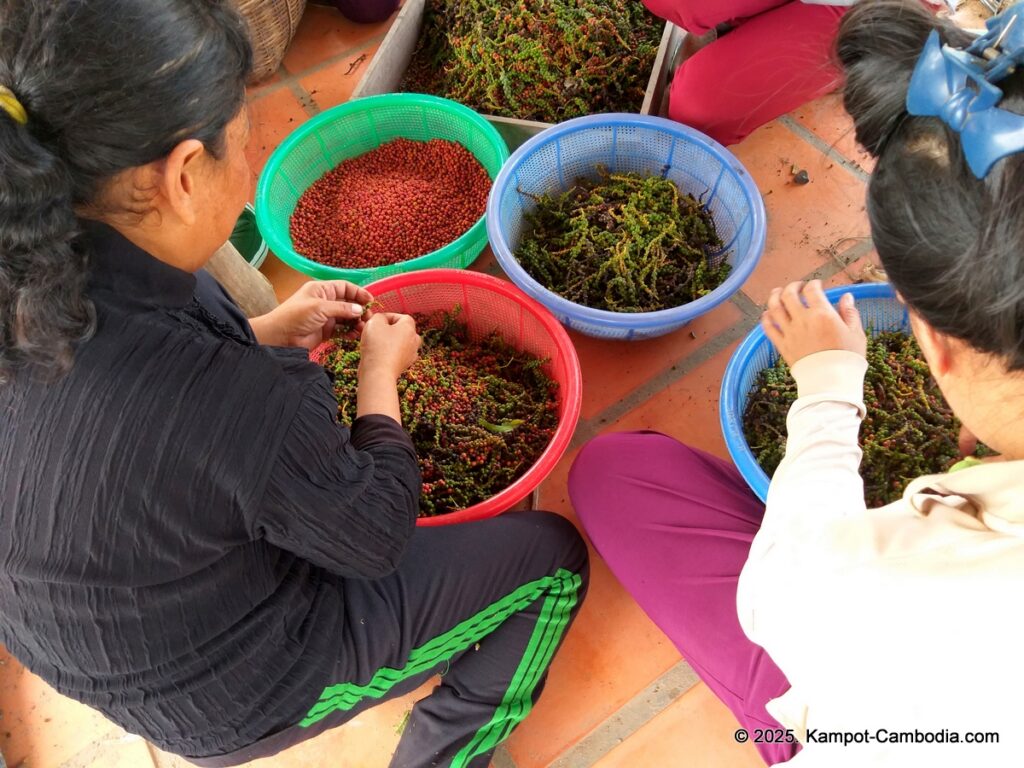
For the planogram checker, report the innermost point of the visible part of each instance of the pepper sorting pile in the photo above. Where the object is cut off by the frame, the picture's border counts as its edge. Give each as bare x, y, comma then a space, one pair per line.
401, 200
547, 60
623, 242
479, 412
909, 429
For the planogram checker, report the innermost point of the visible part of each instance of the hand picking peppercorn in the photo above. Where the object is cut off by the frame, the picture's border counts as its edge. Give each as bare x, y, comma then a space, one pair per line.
547, 60
908, 431
623, 242
479, 411
399, 201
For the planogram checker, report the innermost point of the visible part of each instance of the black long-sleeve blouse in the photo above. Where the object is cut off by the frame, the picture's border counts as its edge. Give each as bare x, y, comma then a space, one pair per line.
179, 512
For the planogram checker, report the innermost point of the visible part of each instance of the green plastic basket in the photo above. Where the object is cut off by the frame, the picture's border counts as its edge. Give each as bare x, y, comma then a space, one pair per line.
353, 129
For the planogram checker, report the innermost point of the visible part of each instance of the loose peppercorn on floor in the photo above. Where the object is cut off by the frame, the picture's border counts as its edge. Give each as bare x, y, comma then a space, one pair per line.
619, 695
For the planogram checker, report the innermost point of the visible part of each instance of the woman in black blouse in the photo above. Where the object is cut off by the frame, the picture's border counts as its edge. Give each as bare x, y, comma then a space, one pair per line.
189, 542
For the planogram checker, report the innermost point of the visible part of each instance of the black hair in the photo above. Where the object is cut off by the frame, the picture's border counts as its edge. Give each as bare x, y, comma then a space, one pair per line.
107, 85
951, 244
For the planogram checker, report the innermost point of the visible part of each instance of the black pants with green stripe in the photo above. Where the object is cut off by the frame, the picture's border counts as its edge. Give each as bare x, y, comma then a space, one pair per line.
485, 604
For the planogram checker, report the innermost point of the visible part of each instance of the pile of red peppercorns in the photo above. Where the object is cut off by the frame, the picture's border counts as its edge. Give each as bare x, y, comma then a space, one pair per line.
399, 201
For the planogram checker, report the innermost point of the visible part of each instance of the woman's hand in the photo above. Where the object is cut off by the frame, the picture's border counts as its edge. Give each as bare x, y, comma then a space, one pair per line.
389, 345
800, 321
312, 314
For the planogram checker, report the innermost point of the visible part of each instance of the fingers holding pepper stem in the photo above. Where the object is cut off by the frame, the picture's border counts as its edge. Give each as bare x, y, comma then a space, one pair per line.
800, 321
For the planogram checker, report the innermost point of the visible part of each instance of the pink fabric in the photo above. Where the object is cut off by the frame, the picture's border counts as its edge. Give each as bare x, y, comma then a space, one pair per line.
778, 57
700, 16
675, 525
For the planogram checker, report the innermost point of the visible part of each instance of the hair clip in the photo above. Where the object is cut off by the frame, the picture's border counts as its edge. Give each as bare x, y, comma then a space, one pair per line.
9, 103
959, 87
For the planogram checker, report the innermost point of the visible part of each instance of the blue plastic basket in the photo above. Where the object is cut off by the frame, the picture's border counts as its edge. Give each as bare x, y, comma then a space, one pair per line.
552, 160
879, 310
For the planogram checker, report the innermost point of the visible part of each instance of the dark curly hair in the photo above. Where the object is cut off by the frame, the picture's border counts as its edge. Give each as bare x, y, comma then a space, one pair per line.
108, 85
952, 244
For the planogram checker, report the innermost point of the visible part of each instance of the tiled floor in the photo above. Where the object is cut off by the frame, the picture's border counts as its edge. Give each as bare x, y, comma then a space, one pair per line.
618, 696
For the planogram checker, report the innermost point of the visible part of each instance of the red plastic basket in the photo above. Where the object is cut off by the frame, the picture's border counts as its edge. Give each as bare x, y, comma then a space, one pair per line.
490, 304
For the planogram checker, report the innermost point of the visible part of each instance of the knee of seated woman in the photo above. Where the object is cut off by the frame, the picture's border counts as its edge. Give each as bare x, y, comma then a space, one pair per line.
551, 535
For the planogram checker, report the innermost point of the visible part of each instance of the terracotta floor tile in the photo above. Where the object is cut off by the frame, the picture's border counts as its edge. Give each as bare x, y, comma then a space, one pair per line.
803, 221
255, 90
696, 731
127, 752
597, 670
271, 119
324, 34
40, 727
826, 118
687, 409
334, 84
611, 370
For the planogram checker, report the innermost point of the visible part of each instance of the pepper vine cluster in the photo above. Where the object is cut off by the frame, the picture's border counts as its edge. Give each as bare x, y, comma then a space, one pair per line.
547, 60
909, 429
479, 411
623, 242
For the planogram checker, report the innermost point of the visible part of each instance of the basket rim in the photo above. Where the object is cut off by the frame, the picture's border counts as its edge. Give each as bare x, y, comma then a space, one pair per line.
729, 413
627, 320
570, 392
284, 251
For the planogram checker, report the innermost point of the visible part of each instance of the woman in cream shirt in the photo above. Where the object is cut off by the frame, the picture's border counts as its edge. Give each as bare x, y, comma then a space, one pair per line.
841, 635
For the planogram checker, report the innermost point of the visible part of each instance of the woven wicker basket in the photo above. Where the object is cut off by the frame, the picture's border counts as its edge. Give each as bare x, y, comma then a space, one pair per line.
272, 23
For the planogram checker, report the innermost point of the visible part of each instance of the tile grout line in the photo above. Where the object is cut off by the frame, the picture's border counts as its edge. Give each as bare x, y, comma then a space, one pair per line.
824, 147
856, 251
639, 395
305, 99
502, 758
654, 699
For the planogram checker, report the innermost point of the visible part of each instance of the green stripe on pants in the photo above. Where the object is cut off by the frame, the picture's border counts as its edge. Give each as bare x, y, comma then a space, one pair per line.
518, 699
345, 696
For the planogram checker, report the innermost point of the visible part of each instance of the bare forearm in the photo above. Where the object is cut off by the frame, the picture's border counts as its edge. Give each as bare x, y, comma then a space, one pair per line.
266, 331
377, 394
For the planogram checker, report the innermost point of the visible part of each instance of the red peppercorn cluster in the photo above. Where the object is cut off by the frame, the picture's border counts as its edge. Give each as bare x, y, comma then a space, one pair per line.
401, 200
479, 412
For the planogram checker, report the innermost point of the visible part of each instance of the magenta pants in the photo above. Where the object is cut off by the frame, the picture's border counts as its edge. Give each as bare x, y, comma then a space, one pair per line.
675, 525
778, 56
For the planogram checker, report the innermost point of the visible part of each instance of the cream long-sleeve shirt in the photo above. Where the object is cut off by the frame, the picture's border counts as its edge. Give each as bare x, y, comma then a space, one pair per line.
908, 619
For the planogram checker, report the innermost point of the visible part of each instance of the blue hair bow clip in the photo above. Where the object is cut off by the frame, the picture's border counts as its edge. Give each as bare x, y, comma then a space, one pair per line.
959, 86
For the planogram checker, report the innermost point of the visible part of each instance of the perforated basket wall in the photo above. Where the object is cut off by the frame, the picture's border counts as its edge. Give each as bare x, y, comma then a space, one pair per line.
880, 312
353, 129
550, 163
489, 304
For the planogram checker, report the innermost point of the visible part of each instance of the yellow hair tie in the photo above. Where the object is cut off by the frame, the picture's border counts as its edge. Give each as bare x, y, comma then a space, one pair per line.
9, 103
